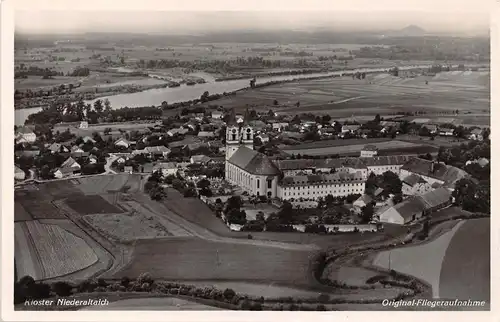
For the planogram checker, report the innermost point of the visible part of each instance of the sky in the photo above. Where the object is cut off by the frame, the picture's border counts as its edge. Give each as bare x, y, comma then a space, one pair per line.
454, 16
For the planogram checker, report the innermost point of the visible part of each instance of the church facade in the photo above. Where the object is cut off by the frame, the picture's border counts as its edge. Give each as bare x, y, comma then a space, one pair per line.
253, 171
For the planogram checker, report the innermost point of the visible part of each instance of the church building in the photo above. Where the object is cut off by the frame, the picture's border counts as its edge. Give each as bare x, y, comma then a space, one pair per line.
253, 171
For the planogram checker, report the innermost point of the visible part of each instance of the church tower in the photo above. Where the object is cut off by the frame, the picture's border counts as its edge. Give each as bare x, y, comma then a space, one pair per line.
246, 132
232, 136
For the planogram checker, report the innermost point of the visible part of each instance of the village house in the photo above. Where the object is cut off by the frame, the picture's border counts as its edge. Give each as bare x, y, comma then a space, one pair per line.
128, 169
71, 163
280, 126
201, 159
93, 159
206, 134
432, 128
476, 134
445, 131
25, 135
415, 185
122, 142
159, 150
350, 128
369, 151
166, 168
362, 201
264, 138
27, 153
239, 118
175, 131
482, 162
121, 160
19, 174
58, 148
65, 172
216, 115
88, 139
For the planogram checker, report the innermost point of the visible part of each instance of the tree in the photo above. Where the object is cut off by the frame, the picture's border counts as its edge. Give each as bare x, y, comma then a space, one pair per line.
98, 106
203, 184
275, 102
157, 193
371, 184
233, 202
285, 213
367, 213
62, 288
107, 105
391, 183
236, 216
229, 294
397, 198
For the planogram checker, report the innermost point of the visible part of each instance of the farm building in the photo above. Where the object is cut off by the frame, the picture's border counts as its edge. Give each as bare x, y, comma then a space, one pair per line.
403, 213
415, 207
19, 174
415, 185
432, 172
369, 151
25, 135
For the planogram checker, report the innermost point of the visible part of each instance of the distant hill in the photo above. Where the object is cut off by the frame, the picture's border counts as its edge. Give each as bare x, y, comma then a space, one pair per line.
410, 31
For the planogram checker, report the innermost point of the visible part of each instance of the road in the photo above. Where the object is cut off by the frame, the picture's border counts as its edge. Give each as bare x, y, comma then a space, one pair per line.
109, 161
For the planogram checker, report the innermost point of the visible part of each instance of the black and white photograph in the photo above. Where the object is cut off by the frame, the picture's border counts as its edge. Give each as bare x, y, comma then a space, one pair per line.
331, 159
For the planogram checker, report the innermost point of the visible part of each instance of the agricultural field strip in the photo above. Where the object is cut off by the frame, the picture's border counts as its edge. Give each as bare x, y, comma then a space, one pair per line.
104, 260
27, 259
115, 251
173, 228
60, 252
203, 233
411, 260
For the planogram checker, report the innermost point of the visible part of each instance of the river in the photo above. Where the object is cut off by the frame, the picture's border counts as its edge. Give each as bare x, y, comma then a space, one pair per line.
185, 93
